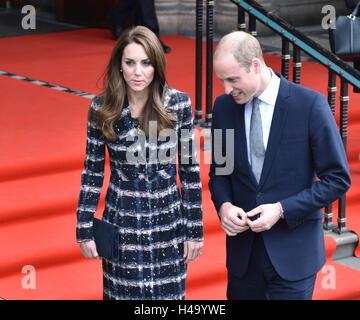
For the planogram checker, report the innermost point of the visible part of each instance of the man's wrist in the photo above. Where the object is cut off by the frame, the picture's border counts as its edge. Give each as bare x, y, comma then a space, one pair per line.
223, 205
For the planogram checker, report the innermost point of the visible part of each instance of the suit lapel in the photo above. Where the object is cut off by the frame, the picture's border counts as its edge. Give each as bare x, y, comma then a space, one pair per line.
276, 129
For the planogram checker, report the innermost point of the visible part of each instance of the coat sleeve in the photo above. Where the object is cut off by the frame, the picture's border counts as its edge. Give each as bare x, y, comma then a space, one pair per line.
330, 163
219, 184
92, 177
189, 171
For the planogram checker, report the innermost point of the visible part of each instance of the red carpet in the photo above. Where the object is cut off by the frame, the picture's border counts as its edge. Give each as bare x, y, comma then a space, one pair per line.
43, 144
41, 129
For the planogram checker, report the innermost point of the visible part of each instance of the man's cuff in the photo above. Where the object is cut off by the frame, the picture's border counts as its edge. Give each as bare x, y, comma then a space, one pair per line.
281, 210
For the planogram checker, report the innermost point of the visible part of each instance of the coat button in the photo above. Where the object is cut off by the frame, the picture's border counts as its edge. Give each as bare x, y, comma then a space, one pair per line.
259, 194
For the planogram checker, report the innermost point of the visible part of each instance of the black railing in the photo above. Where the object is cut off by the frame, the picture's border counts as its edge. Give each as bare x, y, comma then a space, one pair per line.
209, 57
198, 63
300, 43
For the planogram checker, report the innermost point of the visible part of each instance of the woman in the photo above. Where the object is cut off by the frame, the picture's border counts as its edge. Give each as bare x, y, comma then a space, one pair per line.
160, 231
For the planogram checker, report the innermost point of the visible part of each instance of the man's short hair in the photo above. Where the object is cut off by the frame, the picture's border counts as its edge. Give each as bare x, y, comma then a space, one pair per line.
246, 50
243, 46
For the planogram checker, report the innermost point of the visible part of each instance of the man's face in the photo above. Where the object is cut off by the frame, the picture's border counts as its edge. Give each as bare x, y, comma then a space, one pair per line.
241, 83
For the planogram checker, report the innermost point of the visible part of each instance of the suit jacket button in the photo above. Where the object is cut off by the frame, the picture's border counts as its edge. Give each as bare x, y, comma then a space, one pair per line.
259, 194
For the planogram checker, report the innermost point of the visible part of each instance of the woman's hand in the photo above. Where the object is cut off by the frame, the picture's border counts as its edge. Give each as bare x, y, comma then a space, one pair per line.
88, 249
192, 250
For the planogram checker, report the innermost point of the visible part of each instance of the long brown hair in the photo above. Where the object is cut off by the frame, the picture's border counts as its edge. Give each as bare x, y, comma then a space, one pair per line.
114, 93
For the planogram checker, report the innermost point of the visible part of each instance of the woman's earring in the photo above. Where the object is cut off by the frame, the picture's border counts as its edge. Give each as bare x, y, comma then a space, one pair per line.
121, 70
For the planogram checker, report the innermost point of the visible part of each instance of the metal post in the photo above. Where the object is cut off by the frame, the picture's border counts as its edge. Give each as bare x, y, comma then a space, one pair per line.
209, 57
328, 223
344, 102
198, 62
285, 57
241, 19
296, 64
252, 25
332, 91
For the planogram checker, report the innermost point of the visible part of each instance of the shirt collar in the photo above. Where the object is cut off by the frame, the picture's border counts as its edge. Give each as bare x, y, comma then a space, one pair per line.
270, 93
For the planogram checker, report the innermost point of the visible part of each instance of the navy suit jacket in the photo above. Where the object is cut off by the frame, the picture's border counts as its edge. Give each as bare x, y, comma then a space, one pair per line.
305, 168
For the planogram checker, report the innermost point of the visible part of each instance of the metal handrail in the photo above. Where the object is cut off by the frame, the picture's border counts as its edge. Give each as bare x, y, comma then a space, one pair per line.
296, 37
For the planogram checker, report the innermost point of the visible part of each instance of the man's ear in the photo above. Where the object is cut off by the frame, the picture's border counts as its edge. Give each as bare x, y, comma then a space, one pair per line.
256, 64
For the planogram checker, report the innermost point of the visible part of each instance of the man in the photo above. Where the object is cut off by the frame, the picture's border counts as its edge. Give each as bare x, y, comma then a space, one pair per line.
136, 12
284, 135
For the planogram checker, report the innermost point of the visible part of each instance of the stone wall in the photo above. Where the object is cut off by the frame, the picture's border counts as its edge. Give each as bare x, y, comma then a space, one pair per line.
178, 16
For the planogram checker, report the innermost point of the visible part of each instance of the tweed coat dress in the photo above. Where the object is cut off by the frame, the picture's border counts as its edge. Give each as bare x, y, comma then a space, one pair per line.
153, 215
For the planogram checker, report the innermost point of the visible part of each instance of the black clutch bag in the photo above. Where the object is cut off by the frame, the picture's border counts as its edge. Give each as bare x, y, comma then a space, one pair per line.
345, 38
106, 239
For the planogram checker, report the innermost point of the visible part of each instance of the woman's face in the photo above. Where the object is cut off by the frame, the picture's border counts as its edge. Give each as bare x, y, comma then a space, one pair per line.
137, 69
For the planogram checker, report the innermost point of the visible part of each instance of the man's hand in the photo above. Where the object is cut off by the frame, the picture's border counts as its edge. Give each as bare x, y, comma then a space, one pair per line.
88, 249
233, 219
269, 215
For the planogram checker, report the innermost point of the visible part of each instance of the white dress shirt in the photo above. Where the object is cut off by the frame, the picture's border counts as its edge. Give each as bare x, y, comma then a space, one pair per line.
267, 106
